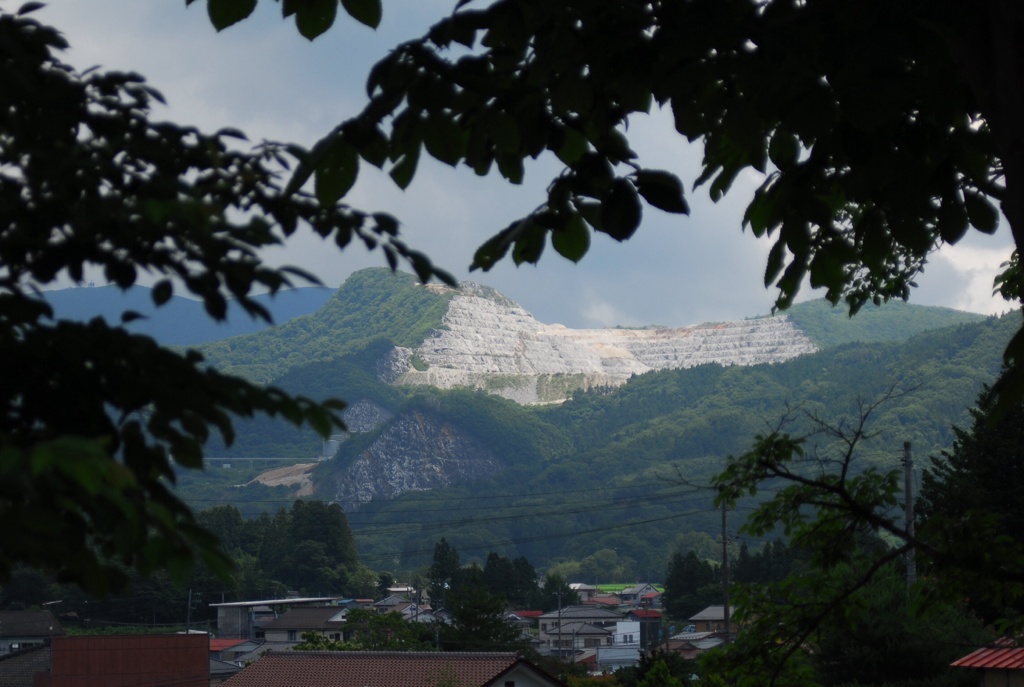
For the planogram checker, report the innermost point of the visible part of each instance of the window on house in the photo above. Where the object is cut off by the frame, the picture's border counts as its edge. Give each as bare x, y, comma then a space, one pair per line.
292, 635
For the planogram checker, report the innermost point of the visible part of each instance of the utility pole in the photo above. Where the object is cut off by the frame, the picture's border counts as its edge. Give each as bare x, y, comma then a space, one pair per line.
559, 642
725, 574
908, 493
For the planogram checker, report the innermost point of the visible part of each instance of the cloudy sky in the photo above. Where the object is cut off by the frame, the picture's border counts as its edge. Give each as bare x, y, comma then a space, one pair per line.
262, 77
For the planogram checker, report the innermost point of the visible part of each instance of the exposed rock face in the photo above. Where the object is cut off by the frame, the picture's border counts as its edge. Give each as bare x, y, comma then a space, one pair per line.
488, 341
364, 416
414, 453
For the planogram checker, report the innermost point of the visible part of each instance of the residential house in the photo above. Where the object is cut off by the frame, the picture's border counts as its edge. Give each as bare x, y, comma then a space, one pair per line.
999, 665
584, 591
228, 649
24, 629
650, 626
391, 669
328, 621
607, 600
624, 650
523, 619
691, 644
395, 602
711, 619
639, 594
578, 627
246, 619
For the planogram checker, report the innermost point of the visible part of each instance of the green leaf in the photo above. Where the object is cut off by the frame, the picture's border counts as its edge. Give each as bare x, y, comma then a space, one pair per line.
953, 221
573, 240
495, 248
783, 149
529, 242
444, 139
314, 17
405, 168
574, 145
336, 171
162, 291
366, 12
983, 215
663, 190
621, 211
224, 13
776, 257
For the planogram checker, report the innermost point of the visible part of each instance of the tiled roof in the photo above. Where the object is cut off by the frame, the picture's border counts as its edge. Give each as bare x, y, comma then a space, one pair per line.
17, 668
1004, 654
377, 669
29, 624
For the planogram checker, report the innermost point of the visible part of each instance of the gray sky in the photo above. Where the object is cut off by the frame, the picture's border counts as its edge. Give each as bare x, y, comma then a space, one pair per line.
262, 77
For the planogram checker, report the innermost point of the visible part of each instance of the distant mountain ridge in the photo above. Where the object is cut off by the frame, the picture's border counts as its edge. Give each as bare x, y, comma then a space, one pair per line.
478, 338
181, 321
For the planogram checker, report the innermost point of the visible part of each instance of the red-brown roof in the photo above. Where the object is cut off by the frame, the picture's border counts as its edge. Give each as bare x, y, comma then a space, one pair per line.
222, 644
529, 614
645, 613
380, 669
1004, 654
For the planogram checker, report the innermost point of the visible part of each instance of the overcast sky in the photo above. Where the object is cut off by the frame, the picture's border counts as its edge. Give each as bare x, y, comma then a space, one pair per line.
262, 77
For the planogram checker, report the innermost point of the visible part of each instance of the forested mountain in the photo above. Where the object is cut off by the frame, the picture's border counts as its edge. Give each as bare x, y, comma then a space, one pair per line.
615, 473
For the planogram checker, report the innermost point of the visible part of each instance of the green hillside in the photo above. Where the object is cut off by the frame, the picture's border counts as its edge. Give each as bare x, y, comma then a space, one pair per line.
617, 471
827, 325
640, 453
371, 305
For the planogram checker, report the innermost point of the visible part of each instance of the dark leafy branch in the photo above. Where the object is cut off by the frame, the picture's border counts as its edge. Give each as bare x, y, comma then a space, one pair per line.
96, 421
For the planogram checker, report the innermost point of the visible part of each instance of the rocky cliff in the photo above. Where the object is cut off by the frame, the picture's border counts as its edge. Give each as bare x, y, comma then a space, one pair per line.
415, 452
489, 342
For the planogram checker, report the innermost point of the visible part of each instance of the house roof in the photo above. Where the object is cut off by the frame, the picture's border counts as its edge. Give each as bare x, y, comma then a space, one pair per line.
224, 644
17, 668
713, 613
603, 601
1004, 654
276, 602
528, 614
29, 624
633, 591
588, 612
383, 669
316, 618
644, 613
578, 628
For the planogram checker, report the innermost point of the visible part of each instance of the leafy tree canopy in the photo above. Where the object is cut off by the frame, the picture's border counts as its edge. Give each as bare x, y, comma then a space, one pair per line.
882, 131
93, 418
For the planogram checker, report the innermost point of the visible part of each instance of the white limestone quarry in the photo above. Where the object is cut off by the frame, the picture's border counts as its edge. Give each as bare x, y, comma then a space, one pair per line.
489, 342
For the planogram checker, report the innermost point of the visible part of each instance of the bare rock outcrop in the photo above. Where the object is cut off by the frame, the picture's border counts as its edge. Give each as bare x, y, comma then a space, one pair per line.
415, 452
488, 341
